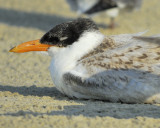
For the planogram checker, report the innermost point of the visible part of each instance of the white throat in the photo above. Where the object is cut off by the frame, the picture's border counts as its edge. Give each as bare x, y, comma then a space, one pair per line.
64, 59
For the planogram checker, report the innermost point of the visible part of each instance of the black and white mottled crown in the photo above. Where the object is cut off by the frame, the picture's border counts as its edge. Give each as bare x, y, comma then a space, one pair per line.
67, 33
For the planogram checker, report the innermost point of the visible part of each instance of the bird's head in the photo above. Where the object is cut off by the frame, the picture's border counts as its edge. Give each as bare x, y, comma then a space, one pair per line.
61, 36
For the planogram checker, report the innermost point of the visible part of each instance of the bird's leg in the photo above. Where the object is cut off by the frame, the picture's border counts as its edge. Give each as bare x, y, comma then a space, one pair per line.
112, 23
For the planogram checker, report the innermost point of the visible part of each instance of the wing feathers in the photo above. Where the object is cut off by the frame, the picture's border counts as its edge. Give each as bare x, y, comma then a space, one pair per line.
148, 39
127, 65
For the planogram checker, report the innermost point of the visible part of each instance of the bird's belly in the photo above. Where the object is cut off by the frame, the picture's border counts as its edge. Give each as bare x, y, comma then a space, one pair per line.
112, 12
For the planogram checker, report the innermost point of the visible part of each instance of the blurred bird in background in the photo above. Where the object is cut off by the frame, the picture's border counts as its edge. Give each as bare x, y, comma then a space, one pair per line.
111, 7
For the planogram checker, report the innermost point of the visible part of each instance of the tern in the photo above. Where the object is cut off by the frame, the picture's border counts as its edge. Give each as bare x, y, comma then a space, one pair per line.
87, 64
111, 7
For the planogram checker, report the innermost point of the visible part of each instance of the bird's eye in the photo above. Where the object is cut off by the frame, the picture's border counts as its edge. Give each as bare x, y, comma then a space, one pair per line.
53, 39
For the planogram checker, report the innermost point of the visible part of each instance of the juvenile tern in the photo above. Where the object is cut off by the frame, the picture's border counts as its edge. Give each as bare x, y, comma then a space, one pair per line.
89, 65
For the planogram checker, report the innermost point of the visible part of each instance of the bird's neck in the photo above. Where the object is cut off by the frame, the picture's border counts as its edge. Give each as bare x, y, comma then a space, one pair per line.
65, 59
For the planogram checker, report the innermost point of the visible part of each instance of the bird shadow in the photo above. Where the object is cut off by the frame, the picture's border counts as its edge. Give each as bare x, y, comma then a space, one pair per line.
34, 20
90, 108
32, 91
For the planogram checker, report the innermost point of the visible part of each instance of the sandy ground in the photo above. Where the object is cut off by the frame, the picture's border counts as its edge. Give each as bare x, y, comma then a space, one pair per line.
28, 98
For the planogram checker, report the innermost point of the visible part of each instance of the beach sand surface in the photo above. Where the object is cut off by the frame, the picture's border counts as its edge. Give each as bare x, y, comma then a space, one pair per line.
28, 98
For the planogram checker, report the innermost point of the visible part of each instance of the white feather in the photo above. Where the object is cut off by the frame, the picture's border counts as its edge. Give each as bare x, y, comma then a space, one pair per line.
65, 59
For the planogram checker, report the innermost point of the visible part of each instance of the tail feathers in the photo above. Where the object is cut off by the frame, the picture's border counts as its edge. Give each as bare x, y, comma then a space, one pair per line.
152, 39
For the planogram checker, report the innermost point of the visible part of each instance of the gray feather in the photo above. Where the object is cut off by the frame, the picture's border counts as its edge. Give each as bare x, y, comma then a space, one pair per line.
148, 39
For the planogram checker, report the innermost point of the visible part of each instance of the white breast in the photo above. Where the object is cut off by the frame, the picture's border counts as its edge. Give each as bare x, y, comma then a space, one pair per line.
65, 59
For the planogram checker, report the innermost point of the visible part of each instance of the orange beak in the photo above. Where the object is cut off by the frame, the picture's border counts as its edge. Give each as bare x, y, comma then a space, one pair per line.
34, 45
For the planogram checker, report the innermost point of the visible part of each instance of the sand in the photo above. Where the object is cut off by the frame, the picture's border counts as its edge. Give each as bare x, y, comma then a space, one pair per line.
28, 98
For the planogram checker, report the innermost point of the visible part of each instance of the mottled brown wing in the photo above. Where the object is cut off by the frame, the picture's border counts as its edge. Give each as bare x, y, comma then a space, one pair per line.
124, 52
122, 66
